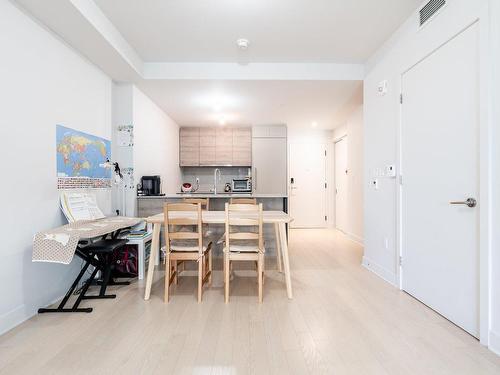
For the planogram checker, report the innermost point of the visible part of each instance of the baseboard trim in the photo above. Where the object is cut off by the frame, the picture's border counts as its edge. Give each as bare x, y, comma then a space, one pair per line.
380, 271
494, 342
21, 314
359, 240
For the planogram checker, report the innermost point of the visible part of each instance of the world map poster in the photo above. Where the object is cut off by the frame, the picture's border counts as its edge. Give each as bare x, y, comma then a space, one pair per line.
79, 156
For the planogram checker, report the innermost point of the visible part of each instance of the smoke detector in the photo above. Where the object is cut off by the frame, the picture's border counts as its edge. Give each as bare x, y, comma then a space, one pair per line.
242, 44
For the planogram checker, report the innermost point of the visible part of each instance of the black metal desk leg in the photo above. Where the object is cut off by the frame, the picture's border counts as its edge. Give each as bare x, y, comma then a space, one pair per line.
75, 308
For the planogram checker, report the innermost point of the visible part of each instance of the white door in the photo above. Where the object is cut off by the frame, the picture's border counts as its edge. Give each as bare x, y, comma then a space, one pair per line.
341, 189
439, 164
308, 185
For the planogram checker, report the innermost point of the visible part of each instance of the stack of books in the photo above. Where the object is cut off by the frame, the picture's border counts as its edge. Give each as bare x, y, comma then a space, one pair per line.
137, 234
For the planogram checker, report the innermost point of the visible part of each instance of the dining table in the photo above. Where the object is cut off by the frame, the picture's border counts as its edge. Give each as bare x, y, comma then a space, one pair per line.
279, 219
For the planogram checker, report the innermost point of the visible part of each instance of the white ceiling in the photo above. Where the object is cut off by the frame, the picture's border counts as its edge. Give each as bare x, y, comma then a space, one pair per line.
304, 64
295, 103
279, 30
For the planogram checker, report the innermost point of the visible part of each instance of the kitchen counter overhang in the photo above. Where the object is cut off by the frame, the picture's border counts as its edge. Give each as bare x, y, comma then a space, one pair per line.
211, 195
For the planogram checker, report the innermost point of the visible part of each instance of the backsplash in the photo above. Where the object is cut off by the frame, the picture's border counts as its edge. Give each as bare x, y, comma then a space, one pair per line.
206, 176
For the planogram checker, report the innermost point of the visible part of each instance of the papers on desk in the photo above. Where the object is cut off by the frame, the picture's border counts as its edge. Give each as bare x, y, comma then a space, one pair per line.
80, 206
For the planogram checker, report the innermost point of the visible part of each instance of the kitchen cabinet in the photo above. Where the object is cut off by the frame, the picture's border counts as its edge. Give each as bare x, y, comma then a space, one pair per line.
224, 146
269, 131
269, 161
189, 147
207, 146
242, 147
211, 146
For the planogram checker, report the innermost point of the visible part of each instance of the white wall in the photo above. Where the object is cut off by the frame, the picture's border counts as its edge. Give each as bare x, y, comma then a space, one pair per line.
404, 49
353, 131
43, 83
156, 143
494, 334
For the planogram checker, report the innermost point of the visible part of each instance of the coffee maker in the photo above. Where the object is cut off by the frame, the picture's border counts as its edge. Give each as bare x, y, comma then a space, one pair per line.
150, 185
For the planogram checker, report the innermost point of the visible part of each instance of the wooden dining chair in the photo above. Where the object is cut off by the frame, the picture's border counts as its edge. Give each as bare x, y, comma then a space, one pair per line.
243, 201
276, 231
244, 241
205, 205
205, 202
184, 245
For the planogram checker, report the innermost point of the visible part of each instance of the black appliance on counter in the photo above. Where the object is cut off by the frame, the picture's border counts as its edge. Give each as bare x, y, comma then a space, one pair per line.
150, 185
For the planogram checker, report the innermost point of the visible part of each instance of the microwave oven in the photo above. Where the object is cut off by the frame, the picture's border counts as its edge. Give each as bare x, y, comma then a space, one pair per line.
242, 185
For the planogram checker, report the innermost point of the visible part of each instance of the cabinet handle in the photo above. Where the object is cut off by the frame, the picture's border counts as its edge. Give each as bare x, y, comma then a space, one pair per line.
255, 178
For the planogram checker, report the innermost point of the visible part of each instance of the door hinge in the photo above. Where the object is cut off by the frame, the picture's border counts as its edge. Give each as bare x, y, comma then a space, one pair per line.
400, 260
401, 179
325, 152
326, 218
401, 98
326, 186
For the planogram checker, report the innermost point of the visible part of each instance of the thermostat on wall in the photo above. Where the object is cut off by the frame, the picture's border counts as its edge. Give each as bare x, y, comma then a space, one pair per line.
382, 88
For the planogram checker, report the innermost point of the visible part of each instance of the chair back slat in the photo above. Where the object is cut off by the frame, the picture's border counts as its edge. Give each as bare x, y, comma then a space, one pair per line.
243, 200
205, 202
236, 221
183, 220
182, 206
183, 235
243, 236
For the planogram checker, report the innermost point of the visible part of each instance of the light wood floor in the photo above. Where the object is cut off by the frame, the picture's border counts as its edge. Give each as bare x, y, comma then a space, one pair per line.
343, 320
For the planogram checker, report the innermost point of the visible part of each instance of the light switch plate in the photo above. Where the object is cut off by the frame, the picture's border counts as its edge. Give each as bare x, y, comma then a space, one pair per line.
390, 170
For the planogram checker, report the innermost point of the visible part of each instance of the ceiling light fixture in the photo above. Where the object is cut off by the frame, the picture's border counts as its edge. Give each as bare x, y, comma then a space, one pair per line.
314, 124
243, 44
222, 121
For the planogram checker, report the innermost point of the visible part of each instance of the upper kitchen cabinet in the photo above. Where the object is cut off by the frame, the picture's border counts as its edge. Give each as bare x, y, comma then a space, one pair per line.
207, 146
211, 146
242, 147
269, 131
224, 146
189, 147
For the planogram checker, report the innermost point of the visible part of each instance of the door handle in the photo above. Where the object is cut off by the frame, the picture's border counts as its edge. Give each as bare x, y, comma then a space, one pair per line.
470, 202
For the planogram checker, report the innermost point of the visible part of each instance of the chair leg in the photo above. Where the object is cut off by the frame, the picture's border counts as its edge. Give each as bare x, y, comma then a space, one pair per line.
210, 267
260, 275
200, 278
226, 277
167, 277
176, 270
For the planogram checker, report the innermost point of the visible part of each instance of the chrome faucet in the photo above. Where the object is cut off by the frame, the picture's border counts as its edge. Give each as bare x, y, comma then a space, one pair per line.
216, 172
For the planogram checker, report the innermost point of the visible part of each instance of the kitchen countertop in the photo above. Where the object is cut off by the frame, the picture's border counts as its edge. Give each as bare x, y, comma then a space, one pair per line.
212, 195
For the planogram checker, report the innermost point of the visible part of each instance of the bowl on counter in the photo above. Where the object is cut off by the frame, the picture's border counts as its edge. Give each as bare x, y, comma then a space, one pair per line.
187, 187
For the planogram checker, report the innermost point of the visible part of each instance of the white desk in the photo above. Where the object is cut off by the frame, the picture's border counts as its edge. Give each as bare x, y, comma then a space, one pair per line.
278, 218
